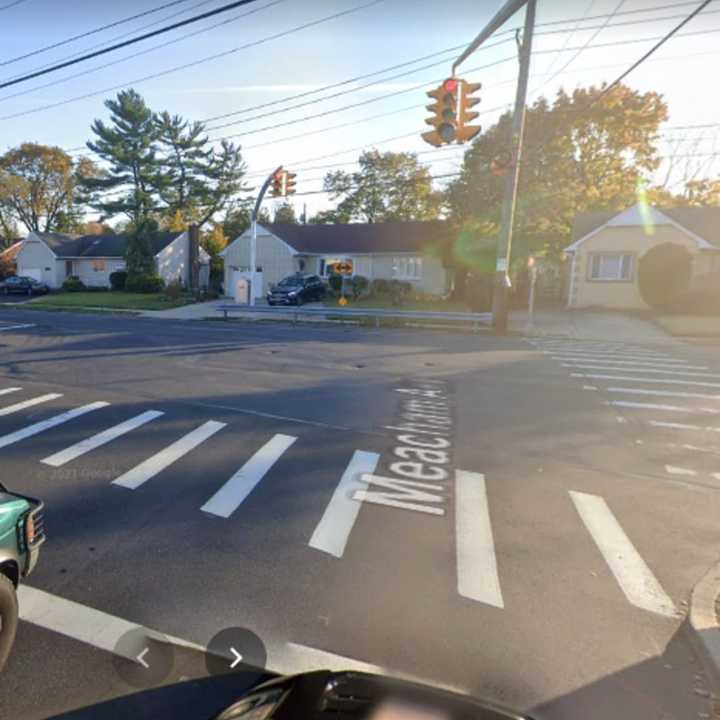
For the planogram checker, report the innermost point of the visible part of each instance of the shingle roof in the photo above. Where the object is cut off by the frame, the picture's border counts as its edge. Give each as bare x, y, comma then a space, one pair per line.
89, 246
400, 237
703, 221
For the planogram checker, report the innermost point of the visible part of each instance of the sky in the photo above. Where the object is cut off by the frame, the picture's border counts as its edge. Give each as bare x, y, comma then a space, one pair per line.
272, 50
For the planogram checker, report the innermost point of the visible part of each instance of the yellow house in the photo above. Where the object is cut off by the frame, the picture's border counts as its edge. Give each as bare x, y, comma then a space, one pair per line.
606, 249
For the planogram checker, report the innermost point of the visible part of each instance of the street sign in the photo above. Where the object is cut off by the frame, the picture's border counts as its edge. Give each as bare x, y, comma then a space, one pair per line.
342, 301
343, 268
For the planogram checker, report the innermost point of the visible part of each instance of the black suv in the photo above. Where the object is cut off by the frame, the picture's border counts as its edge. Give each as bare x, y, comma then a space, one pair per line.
24, 285
296, 290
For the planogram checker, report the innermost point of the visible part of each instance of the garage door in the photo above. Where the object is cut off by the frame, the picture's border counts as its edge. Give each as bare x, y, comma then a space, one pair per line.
34, 273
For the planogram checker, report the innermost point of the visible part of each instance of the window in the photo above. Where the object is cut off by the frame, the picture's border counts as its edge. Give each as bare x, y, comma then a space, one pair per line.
98, 265
407, 268
610, 266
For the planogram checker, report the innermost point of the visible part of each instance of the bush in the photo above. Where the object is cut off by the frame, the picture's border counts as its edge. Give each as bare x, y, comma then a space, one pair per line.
173, 290
72, 283
335, 283
479, 292
144, 283
380, 287
399, 291
360, 285
117, 279
664, 274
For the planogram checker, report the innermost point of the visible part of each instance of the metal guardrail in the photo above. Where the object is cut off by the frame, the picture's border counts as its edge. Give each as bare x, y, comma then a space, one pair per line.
378, 313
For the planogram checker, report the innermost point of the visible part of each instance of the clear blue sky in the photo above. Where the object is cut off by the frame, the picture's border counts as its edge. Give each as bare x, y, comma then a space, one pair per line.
385, 34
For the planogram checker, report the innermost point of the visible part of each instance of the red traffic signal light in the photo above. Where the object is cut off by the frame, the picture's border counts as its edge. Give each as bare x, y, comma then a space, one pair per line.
283, 183
290, 183
452, 113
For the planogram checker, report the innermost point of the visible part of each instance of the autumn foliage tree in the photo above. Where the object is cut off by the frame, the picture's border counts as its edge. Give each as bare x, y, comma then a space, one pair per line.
664, 273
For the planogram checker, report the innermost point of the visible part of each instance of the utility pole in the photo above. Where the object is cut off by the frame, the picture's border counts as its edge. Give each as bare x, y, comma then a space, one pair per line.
253, 232
501, 293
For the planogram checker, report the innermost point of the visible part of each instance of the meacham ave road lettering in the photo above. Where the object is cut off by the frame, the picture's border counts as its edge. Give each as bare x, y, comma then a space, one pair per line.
417, 479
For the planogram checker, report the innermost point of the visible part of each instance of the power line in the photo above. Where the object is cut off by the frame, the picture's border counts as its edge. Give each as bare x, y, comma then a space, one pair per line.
56, 81
657, 45
194, 63
72, 39
12, 4
125, 43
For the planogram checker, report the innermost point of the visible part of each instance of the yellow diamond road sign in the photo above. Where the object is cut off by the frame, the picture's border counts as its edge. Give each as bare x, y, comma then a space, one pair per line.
342, 301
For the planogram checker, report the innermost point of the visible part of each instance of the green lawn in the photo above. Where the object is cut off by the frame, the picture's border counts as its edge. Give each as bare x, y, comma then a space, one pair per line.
690, 325
109, 300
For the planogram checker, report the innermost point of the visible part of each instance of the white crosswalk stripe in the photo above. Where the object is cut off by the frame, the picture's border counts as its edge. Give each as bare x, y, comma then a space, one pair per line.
102, 438
17, 407
16, 327
633, 575
477, 573
52, 422
141, 473
662, 408
664, 381
661, 393
7, 391
626, 369
333, 530
231, 495
632, 363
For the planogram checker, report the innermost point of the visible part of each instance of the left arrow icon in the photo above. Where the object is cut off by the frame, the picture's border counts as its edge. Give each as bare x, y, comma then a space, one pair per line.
140, 657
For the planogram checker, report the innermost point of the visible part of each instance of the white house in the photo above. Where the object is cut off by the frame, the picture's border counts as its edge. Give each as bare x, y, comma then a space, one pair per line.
408, 251
51, 257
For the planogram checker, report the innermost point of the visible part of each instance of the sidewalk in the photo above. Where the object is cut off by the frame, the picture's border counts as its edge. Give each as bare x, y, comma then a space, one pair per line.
589, 325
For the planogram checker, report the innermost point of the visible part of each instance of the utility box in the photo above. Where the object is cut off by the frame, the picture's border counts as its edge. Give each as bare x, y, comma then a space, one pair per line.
242, 291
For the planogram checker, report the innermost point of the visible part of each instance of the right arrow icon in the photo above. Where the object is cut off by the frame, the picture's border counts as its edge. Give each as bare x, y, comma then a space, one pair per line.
238, 657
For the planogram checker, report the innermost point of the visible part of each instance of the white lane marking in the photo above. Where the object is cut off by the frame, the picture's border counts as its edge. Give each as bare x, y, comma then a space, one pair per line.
16, 327
229, 497
621, 419
684, 426
589, 387
638, 363
695, 383
7, 391
660, 359
601, 349
39, 427
664, 408
9, 409
675, 470
102, 438
141, 473
477, 573
640, 370
662, 393
695, 448
333, 530
631, 572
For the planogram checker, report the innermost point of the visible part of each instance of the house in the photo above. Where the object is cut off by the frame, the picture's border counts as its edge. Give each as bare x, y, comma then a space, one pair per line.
51, 257
408, 251
606, 249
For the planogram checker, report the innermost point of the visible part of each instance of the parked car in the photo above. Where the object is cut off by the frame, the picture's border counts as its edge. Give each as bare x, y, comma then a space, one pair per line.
20, 284
296, 290
21, 535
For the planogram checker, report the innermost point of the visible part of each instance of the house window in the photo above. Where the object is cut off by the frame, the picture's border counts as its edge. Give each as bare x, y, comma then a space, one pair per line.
611, 266
407, 268
98, 265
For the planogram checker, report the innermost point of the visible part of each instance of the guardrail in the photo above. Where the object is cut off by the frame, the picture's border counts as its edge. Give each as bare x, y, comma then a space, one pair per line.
476, 319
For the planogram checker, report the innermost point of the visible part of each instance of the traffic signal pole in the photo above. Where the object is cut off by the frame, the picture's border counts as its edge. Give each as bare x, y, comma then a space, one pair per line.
501, 293
253, 232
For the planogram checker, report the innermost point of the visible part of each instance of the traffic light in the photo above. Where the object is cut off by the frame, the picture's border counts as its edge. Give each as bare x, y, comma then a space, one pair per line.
451, 113
283, 183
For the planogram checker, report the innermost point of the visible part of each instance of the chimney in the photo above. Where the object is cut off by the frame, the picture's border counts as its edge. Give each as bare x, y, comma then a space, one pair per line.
194, 240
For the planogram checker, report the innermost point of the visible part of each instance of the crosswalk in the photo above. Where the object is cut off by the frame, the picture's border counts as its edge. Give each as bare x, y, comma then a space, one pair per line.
480, 573
670, 395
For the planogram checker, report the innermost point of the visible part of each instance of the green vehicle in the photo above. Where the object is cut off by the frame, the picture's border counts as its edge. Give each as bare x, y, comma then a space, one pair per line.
21, 535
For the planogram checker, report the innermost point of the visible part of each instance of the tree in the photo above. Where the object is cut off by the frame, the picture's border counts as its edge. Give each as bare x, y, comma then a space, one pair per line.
664, 273
285, 214
139, 257
129, 145
214, 242
197, 180
39, 187
237, 221
388, 186
584, 152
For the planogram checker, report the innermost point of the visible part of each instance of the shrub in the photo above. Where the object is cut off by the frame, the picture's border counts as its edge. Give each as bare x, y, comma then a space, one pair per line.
360, 285
72, 283
335, 283
117, 279
664, 273
399, 291
696, 302
380, 287
479, 292
144, 283
173, 290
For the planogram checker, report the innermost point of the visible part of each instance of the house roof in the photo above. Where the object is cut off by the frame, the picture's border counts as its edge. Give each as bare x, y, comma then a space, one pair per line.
387, 237
701, 221
90, 246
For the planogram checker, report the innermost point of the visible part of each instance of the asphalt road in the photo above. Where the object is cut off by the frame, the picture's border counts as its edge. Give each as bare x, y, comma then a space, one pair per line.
542, 557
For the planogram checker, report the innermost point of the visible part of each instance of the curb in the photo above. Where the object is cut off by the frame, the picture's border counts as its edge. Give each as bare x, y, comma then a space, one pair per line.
703, 622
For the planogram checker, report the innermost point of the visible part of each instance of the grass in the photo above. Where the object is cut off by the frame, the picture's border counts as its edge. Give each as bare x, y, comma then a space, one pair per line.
690, 325
110, 300
420, 305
